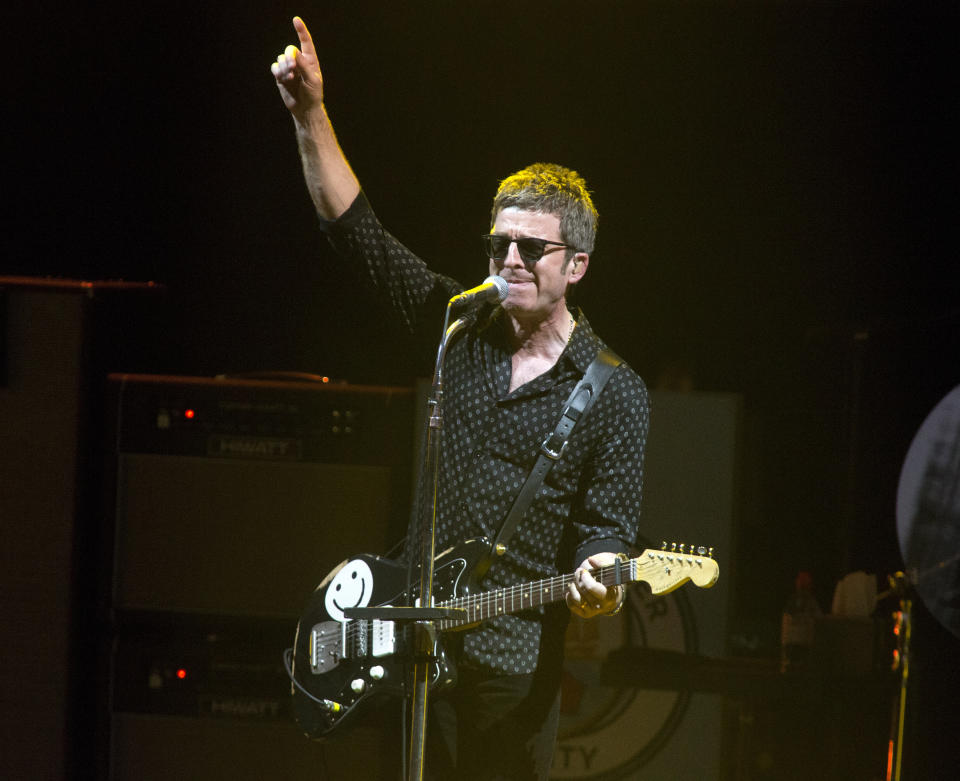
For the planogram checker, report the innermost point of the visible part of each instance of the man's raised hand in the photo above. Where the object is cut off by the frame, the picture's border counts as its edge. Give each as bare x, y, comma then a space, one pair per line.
297, 73
330, 181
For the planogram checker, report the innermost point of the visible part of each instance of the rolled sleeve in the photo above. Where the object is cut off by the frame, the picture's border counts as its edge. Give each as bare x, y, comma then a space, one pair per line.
609, 517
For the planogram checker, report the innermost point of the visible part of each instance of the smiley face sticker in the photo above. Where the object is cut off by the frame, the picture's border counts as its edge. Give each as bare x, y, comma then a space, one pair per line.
351, 586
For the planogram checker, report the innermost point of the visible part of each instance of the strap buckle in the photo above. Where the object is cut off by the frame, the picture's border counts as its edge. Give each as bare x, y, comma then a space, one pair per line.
550, 450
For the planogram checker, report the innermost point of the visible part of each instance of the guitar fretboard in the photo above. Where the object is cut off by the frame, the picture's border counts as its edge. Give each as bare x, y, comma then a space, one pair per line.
515, 599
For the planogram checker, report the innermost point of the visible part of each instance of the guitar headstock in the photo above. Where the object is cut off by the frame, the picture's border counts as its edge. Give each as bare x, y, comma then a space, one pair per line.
670, 567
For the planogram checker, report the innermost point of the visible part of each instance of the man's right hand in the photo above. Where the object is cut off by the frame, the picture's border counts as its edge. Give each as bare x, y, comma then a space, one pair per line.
331, 183
297, 72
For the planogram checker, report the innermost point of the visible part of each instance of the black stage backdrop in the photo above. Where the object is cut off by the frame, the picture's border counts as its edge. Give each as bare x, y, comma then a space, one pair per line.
777, 184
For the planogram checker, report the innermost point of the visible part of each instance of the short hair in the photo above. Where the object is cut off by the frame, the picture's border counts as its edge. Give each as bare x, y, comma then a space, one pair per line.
552, 189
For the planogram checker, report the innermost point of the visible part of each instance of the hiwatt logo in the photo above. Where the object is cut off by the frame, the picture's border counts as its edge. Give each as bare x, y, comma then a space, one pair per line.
609, 731
241, 708
225, 446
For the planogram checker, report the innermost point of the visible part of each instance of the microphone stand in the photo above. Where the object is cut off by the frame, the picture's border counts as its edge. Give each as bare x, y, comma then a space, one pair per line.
422, 617
425, 631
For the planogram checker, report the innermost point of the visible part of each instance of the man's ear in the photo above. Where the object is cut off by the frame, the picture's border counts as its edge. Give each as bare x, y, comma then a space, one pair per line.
578, 266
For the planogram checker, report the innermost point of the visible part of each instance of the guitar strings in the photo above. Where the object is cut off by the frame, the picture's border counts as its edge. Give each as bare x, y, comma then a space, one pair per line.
493, 603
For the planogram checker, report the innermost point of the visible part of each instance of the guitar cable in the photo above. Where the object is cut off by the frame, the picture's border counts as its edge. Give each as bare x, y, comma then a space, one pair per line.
334, 707
328, 705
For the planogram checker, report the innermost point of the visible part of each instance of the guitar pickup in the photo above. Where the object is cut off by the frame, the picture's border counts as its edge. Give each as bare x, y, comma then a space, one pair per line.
383, 638
360, 639
332, 641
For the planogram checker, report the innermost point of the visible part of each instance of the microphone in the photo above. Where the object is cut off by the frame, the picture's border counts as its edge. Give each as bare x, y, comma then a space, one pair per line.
493, 289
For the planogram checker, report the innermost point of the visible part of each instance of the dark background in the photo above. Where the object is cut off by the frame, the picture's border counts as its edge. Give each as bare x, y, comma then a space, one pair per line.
777, 184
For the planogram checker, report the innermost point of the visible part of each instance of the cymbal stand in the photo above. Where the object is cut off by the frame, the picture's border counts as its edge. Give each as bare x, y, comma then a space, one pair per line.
902, 630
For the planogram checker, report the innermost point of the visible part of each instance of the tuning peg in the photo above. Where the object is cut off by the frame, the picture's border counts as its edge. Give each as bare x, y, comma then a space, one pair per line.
681, 547
673, 547
710, 552
663, 545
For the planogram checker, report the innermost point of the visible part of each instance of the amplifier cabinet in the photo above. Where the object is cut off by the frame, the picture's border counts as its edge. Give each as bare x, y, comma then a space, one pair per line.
235, 497
231, 500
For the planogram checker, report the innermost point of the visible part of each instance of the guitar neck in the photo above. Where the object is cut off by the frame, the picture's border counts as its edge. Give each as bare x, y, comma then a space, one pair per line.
514, 599
662, 570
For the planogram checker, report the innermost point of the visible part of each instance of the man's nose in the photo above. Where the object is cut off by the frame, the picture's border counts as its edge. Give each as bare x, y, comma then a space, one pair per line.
513, 256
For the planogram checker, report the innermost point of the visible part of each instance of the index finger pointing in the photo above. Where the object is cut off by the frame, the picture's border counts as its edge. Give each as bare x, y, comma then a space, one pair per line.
306, 41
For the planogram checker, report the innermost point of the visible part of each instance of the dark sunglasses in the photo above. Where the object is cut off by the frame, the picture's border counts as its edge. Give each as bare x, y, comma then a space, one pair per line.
531, 250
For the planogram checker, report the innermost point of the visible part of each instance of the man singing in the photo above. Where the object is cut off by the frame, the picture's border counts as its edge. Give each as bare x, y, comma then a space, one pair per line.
506, 381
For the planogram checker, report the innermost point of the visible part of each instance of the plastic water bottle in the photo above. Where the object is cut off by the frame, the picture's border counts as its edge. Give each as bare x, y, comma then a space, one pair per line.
797, 624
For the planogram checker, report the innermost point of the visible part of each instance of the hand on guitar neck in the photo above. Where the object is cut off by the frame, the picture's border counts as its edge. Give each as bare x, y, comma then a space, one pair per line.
587, 597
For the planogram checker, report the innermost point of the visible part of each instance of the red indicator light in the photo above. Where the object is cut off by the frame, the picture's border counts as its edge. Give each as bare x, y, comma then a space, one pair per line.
324, 379
181, 673
188, 414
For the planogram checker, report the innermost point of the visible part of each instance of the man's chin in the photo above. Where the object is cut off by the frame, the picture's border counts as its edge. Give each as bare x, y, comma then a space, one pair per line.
518, 308
524, 311
519, 298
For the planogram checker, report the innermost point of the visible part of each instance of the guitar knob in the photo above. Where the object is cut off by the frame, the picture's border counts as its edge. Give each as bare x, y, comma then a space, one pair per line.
377, 672
358, 685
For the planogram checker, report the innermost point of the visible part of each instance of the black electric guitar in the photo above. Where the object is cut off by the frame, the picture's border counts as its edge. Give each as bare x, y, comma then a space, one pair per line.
341, 665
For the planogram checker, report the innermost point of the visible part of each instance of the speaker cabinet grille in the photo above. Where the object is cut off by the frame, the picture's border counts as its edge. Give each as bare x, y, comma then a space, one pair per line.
240, 537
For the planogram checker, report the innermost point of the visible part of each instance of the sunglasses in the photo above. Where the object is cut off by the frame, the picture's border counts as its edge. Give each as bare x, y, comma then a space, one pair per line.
531, 250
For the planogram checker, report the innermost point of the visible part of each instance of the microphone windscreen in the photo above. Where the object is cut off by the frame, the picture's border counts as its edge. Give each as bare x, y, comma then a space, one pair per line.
503, 287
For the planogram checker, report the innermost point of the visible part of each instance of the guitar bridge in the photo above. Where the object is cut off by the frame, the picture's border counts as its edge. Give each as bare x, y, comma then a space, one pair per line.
325, 647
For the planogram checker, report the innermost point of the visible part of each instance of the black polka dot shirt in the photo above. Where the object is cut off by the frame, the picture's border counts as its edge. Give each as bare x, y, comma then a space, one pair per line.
590, 500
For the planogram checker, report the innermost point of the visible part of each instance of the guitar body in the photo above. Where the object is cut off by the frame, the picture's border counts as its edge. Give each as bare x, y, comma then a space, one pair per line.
341, 665
350, 663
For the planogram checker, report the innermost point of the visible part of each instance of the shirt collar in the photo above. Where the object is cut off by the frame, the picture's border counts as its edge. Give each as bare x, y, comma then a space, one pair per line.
577, 355
583, 345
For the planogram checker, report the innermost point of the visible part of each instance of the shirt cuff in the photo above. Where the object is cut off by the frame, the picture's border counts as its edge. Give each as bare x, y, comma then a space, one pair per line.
354, 213
606, 545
